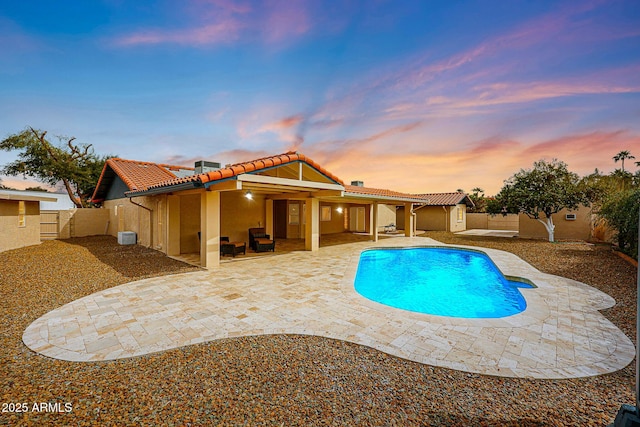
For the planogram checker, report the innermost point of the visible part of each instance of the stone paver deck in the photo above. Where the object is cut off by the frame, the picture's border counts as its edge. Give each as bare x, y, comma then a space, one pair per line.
560, 334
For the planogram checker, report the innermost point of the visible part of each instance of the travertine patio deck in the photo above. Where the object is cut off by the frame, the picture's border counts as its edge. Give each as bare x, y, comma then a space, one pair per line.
560, 334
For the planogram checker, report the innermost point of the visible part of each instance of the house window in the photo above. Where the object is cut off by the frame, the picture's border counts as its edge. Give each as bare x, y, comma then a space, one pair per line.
22, 221
294, 214
325, 213
460, 213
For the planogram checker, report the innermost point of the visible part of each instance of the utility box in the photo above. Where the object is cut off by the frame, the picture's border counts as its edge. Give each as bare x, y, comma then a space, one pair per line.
127, 237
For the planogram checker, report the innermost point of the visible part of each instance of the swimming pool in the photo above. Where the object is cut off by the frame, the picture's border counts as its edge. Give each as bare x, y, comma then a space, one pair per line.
440, 281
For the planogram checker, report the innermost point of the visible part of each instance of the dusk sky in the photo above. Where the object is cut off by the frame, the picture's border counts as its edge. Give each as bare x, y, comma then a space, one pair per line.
414, 96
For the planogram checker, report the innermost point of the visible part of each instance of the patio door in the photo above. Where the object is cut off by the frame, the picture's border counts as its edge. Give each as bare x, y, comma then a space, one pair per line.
280, 219
357, 219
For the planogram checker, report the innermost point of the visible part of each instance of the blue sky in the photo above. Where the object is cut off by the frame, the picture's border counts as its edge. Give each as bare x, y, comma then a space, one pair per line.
416, 96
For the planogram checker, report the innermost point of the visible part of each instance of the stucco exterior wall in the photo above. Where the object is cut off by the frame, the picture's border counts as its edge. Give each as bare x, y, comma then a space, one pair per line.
14, 236
238, 214
432, 218
386, 216
189, 223
126, 216
336, 224
579, 229
436, 218
457, 223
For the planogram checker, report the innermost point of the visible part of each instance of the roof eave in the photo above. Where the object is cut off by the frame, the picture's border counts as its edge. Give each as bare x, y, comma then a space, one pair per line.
377, 197
165, 189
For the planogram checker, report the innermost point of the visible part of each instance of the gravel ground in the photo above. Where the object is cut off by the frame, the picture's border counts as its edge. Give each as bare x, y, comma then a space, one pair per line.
284, 379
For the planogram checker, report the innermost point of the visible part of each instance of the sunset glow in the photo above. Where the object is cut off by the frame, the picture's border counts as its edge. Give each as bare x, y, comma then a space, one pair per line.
412, 96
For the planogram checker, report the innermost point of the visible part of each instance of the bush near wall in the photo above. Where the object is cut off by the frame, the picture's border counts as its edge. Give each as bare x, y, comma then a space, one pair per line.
620, 210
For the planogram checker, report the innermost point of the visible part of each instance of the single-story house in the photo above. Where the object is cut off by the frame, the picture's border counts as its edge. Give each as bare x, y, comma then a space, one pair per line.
181, 210
20, 218
440, 212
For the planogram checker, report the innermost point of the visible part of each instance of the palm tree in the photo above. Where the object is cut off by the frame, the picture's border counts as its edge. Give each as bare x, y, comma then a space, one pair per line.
625, 154
477, 191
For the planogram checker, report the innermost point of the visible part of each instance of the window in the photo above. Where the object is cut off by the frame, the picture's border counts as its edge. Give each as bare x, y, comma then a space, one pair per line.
22, 221
294, 214
460, 213
325, 213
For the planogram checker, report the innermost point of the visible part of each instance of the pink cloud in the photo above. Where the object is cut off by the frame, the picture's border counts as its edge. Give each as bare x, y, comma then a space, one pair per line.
215, 22
220, 32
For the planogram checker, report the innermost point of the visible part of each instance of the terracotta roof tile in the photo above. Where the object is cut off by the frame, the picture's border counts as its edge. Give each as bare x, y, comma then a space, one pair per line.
445, 199
250, 166
136, 175
355, 189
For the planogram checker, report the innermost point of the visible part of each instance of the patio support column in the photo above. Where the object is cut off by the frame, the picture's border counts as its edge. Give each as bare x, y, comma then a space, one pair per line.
312, 228
374, 223
210, 229
408, 220
173, 225
268, 216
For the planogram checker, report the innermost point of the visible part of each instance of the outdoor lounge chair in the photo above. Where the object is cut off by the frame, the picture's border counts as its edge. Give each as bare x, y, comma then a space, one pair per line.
260, 241
232, 248
263, 245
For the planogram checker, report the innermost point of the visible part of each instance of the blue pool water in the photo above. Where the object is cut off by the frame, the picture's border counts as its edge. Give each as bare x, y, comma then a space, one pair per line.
439, 281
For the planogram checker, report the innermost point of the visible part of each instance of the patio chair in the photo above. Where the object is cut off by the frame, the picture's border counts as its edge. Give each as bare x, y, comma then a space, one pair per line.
232, 248
263, 245
265, 242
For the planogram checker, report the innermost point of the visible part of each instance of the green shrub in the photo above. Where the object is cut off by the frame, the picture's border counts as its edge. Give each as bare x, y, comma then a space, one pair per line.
620, 210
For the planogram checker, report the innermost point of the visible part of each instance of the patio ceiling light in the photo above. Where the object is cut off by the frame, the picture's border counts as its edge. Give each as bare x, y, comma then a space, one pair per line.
248, 195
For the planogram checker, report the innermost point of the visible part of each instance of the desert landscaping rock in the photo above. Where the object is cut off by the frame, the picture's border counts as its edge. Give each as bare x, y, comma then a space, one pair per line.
283, 379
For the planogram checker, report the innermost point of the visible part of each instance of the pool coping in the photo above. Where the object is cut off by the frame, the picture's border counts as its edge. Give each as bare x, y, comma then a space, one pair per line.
560, 334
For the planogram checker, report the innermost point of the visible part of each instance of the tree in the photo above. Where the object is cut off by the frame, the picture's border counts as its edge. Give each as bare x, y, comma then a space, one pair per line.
478, 199
541, 192
77, 166
625, 154
38, 188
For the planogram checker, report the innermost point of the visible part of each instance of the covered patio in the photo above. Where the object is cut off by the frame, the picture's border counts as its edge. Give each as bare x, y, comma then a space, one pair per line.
295, 201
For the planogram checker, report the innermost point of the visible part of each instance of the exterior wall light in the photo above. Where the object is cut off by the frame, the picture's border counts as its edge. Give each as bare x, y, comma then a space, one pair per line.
248, 195
339, 209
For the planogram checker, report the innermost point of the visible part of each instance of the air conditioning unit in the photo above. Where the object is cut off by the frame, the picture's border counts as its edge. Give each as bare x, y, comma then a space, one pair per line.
127, 237
570, 217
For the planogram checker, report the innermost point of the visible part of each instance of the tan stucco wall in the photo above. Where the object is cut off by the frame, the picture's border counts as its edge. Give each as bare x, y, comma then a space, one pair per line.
189, 223
83, 222
432, 218
14, 236
126, 216
501, 222
386, 216
580, 229
238, 214
485, 221
436, 218
477, 221
455, 224
336, 225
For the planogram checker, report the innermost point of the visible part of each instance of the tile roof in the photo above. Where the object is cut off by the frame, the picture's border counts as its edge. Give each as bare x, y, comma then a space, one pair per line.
136, 175
446, 199
377, 192
231, 171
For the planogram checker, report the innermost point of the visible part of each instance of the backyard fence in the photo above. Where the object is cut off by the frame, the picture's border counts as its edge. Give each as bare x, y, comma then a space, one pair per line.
69, 223
485, 221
